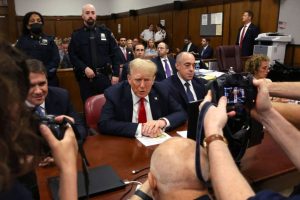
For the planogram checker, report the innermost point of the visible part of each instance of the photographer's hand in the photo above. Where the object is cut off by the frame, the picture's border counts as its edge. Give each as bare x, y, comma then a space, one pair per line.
263, 103
65, 156
216, 117
61, 117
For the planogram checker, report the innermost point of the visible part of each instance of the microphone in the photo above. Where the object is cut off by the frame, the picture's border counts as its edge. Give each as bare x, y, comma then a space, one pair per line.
136, 171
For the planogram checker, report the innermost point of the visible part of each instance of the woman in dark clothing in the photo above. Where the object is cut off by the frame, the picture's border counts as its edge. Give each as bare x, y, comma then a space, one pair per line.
38, 45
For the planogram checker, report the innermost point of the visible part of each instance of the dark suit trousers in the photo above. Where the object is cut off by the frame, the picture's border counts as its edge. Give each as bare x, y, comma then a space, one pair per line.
91, 87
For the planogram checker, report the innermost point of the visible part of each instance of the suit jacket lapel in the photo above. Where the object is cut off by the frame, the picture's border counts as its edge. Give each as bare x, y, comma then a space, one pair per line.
182, 89
127, 103
154, 104
161, 68
197, 89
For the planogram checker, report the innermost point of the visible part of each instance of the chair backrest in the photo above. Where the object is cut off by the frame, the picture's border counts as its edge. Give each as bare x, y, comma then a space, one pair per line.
229, 56
93, 107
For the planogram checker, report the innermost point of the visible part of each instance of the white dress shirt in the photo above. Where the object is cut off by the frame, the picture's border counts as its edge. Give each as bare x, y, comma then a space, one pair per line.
135, 113
247, 26
191, 86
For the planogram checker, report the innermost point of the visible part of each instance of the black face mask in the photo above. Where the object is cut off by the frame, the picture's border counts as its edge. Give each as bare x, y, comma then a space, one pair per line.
36, 28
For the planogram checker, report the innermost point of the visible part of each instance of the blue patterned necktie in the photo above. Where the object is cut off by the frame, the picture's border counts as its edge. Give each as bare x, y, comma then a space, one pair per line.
168, 70
40, 111
189, 92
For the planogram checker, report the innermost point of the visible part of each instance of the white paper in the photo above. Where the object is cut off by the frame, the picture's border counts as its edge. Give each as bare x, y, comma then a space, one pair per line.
147, 141
204, 19
182, 133
219, 18
213, 18
219, 29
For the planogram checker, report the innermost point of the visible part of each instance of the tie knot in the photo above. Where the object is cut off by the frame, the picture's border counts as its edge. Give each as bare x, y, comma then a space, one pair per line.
187, 84
40, 111
165, 60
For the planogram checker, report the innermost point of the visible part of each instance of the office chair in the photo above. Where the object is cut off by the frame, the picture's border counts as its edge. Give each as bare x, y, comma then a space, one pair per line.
229, 56
93, 108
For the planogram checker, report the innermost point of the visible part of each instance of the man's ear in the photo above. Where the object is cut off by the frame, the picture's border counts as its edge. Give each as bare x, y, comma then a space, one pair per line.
177, 66
152, 181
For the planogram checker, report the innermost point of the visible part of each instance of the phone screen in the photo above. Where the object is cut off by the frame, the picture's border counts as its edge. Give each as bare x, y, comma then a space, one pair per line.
235, 95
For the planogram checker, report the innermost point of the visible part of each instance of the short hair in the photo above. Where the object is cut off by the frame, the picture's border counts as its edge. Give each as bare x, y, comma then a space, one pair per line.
166, 45
250, 13
136, 45
160, 25
188, 37
206, 38
146, 65
183, 163
181, 54
83, 7
26, 18
253, 63
36, 66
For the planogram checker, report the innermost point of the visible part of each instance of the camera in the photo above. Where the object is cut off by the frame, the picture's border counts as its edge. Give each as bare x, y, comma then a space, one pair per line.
239, 90
241, 131
58, 129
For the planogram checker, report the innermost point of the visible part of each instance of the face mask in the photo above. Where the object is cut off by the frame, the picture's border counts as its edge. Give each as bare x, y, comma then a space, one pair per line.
36, 28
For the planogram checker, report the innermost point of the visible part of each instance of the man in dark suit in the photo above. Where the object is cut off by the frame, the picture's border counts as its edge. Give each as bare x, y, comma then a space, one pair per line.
50, 100
165, 65
126, 53
206, 51
189, 47
140, 106
183, 86
247, 34
139, 52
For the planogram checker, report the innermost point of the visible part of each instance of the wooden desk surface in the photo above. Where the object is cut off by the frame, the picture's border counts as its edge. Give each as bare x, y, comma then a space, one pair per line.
126, 154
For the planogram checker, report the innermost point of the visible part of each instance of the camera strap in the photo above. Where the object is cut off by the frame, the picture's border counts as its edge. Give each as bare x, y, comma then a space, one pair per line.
200, 129
84, 160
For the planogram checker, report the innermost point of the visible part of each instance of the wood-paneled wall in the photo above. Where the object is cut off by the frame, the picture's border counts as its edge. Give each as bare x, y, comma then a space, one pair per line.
182, 22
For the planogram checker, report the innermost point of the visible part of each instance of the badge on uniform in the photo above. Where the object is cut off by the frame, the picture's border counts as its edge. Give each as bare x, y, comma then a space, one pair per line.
43, 42
103, 37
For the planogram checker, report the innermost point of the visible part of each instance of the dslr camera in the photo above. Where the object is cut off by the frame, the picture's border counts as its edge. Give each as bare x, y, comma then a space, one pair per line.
58, 129
239, 90
241, 131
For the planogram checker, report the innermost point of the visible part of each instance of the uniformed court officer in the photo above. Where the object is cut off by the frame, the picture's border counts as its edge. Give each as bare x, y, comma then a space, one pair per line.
94, 55
38, 45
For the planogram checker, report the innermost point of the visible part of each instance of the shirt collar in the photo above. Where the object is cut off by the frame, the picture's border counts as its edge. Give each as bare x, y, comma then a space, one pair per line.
182, 80
30, 105
136, 99
248, 24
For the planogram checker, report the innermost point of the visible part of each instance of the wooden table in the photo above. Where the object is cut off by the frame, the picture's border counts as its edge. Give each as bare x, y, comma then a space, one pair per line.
126, 154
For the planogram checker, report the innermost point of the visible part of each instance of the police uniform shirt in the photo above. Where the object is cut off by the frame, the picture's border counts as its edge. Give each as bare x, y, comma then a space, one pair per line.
106, 49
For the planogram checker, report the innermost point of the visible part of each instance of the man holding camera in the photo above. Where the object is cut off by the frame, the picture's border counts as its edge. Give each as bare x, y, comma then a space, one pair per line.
48, 100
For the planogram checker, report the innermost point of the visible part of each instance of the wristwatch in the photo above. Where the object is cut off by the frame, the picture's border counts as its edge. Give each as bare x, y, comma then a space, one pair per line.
142, 195
212, 138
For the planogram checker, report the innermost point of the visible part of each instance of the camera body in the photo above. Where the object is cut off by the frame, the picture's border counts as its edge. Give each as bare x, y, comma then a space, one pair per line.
241, 131
239, 90
58, 129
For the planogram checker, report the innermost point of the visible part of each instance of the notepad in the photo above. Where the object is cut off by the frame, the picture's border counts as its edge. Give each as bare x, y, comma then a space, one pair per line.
102, 179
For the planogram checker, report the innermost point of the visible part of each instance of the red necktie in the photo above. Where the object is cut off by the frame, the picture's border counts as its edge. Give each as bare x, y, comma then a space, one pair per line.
242, 36
142, 118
